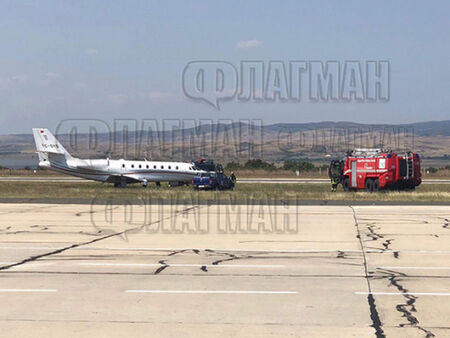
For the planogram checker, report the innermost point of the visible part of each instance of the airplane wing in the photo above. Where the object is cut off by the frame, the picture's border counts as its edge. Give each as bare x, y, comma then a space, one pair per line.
128, 178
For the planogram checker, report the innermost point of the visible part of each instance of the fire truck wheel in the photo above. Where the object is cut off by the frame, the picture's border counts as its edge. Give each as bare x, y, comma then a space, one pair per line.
376, 185
346, 184
369, 185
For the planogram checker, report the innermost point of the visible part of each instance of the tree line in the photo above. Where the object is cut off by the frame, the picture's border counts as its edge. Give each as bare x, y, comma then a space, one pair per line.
291, 165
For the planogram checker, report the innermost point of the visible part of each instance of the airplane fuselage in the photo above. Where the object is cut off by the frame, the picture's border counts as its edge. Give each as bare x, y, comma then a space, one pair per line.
54, 156
106, 170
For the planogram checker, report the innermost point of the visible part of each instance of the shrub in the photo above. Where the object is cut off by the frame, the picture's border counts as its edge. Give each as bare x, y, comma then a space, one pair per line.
298, 165
259, 164
233, 166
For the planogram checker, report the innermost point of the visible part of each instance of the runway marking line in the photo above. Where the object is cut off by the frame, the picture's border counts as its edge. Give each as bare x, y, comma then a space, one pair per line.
214, 292
230, 250
414, 267
219, 250
184, 265
404, 293
28, 290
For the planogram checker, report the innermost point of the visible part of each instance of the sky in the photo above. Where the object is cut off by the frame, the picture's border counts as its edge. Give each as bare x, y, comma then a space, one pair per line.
111, 60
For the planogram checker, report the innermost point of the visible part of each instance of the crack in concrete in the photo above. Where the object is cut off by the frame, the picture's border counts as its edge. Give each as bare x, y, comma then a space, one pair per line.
373, 235
374, 316
76, 245
409, 307
386, 244
163, 266
176, 252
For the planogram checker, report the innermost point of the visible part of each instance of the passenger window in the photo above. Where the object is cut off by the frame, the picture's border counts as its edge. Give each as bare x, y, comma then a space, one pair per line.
176, 167
132, 166
123, 165
170, 167
147, 166
140, 166
154, 167
162, 167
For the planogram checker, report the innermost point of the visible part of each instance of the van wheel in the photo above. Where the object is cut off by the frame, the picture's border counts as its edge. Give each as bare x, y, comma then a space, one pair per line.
376, 185
369, 185
346, 184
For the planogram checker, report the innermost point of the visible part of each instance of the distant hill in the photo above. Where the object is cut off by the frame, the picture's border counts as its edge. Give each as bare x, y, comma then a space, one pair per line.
431, 128
239, 141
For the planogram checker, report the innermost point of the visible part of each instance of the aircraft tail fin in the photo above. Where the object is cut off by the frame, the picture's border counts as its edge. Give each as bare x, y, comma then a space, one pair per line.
47, 143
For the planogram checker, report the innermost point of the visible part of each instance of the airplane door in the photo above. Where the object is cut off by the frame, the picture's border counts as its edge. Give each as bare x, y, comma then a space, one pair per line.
354, 174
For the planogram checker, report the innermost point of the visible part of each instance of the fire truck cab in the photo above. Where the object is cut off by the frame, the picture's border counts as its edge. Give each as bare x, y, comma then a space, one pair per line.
375, 169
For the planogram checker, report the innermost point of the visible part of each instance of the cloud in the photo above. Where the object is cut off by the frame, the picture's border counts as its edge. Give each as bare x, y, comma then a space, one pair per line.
118, 98
13, 80
20, 78
51, 75
244, 44
92, 51
144, 97
81, 85
160, 96
44, 82
4, 82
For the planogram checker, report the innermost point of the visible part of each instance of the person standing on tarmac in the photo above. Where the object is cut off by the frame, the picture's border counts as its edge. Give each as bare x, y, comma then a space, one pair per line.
335, 172
233, 177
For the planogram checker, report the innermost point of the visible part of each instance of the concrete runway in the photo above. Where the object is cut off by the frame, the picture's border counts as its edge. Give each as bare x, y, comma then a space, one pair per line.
239, 180
224, 271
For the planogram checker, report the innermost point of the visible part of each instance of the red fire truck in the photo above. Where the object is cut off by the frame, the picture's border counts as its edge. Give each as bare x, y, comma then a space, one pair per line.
374, 169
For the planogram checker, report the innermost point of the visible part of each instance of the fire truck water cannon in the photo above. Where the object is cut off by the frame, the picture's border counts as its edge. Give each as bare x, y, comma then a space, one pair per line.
373, 169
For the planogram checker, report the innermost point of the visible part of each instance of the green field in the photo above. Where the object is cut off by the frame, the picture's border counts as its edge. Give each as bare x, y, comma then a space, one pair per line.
244, 191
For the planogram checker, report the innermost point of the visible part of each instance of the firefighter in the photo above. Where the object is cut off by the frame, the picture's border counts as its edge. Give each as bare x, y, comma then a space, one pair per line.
334, 172
233, 177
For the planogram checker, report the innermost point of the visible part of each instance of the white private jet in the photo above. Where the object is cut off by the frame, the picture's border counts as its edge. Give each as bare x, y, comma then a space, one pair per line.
52, 155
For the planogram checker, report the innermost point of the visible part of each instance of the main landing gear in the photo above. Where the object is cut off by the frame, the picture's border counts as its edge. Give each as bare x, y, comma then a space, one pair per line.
121, 184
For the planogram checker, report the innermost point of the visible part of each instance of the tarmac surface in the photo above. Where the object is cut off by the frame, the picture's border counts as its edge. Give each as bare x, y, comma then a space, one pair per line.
224, 271
239, 180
